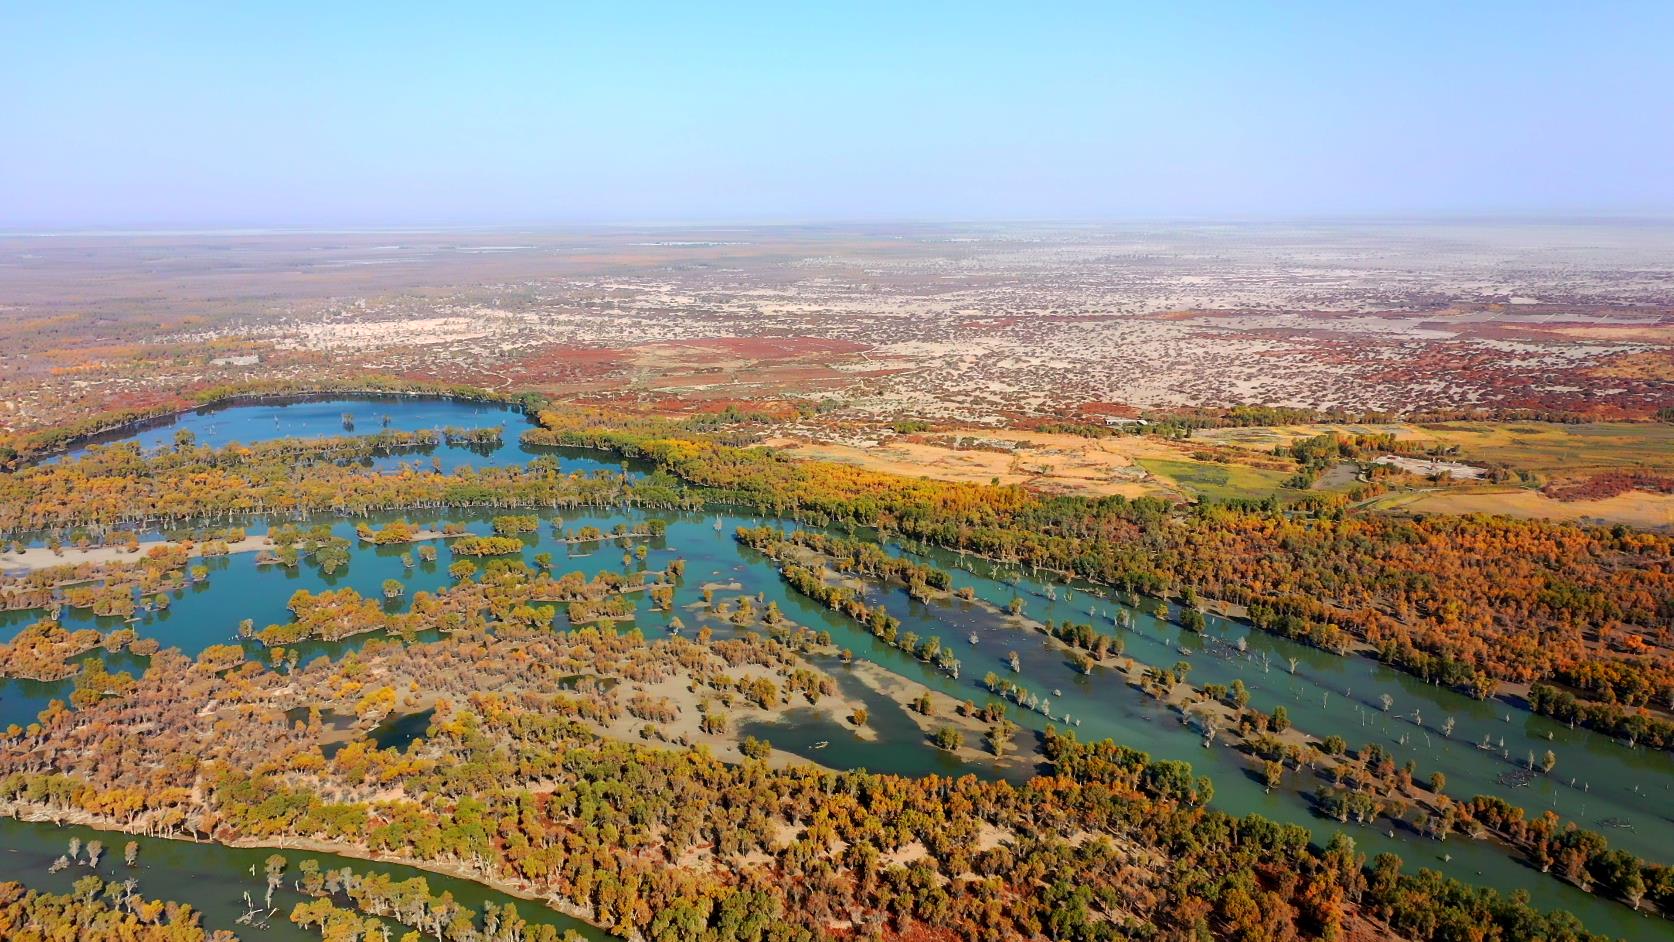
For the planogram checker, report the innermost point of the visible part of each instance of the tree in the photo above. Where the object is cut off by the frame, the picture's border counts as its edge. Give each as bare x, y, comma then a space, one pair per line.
1240, 694
1273, 773
1619, 873
88, 887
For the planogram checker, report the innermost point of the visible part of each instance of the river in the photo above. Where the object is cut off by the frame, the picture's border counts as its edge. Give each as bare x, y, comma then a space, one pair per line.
1613, 785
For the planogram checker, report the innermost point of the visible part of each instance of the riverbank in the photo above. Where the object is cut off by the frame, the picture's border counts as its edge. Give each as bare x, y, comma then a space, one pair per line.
35, 558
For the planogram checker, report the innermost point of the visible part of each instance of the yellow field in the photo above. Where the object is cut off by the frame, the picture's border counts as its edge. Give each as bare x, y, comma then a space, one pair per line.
1066, 464
1635, 508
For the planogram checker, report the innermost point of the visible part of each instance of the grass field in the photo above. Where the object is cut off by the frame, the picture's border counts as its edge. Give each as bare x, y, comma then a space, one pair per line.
1213, 481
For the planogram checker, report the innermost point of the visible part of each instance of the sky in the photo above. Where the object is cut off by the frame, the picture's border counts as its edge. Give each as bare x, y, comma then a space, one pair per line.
365, 114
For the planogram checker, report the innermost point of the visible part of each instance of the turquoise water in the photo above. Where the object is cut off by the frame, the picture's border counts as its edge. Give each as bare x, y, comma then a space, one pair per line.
213, 878
1325, 695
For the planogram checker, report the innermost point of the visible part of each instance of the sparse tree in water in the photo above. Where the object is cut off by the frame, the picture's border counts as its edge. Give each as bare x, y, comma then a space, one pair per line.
274, 869
1274, 774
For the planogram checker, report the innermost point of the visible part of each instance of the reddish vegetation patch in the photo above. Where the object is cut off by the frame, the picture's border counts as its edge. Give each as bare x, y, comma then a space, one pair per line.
546, 366
1120, 410
570, 358
1609, 484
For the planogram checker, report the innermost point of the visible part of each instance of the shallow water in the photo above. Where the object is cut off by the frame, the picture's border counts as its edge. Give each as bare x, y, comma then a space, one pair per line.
400, 732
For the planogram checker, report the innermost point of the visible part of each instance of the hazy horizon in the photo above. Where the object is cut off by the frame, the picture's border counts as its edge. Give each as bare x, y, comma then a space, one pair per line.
312, 117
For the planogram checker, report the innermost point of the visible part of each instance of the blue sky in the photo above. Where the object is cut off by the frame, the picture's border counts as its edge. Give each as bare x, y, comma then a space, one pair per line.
176, 114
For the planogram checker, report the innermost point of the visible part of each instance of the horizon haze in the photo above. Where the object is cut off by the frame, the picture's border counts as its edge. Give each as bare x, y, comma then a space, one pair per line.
183, 116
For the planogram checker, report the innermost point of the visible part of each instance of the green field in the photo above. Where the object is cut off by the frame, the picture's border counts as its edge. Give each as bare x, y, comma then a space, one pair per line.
1212, 481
